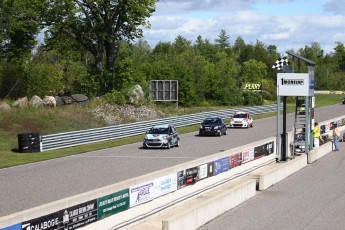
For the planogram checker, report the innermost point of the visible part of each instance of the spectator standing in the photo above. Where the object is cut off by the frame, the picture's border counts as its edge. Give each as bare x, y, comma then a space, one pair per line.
316, 135
336, 135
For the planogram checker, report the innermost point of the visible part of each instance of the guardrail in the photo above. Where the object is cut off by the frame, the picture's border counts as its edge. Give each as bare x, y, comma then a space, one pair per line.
75, 138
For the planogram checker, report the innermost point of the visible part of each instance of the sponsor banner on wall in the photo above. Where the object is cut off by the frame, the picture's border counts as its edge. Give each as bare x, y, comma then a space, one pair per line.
247, 155
221, 165
47, 222
235, 160
210, 169
141, 193
191, 175
13, 227
263, 150
181, 179
112, 204
322, 129
202, 171
259, 151
165, 185
269, 148
78, 216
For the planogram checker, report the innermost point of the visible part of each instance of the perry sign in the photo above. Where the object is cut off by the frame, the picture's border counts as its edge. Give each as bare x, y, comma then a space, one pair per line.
295, 84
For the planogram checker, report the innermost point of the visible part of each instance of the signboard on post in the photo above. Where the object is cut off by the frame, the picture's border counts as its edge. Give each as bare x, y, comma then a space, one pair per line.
164, 90
295, 84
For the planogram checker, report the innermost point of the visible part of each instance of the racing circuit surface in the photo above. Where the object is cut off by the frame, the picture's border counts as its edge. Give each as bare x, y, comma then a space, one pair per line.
31, 185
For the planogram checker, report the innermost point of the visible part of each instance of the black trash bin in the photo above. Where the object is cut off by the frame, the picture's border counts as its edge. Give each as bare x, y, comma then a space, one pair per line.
29, 142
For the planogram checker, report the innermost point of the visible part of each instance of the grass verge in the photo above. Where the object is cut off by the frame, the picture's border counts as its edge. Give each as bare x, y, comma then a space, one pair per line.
56, 120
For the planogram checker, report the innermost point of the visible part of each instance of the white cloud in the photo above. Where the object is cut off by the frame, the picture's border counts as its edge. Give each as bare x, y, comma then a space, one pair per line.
191, 18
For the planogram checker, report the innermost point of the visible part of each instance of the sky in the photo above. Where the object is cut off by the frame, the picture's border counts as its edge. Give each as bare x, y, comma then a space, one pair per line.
287, 24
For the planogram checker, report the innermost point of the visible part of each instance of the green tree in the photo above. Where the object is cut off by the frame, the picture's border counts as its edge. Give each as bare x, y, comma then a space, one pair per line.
253, 71
205, 48
223, 40
19, 25
339, 56
99, 26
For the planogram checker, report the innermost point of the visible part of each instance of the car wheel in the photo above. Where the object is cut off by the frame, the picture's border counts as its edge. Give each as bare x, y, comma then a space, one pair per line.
220, 133
247, 125
200, 133
168, 145
225, 132
177, 143
144, 146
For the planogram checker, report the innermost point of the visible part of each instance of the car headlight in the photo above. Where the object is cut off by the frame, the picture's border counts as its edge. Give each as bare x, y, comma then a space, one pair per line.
201, 127
216, 127
166, 139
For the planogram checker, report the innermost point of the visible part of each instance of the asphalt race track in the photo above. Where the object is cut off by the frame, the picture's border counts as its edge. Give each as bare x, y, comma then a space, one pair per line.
31, 185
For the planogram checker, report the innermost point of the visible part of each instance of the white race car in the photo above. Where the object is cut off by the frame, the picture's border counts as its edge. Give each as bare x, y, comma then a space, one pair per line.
161, 136
241, 120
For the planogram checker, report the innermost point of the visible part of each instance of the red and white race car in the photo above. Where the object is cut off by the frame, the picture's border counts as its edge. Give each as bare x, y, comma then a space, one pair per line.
241, 120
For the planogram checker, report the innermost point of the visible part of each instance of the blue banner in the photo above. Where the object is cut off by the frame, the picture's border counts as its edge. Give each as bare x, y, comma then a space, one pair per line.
13, 227
221, 165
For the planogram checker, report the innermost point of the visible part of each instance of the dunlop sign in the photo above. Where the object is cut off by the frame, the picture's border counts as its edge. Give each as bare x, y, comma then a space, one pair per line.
252, 86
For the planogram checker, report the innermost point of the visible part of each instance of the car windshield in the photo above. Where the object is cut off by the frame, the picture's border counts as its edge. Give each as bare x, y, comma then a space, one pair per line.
240, 115
159, 130
210, 121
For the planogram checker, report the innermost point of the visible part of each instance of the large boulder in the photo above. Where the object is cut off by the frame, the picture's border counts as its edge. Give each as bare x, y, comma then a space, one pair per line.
59, 101
67, 100
49, 101
4, 106
135, 94
36, 101
80, 99
21, 102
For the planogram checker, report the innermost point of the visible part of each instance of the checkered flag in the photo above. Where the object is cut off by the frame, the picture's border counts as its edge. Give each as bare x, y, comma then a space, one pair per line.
280, 63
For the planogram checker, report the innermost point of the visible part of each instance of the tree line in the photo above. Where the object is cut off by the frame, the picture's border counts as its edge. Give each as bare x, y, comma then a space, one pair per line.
96, 48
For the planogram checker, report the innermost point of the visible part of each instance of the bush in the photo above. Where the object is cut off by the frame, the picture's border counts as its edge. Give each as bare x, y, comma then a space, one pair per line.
252, 98
117, 97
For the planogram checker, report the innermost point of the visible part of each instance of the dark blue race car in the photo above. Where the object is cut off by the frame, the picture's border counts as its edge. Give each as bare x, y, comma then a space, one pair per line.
213, 126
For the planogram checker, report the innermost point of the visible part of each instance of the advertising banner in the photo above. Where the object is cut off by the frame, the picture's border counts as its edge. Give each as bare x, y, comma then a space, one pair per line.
13, 227
112, 204
165, 185
202, 172
259, 151
181, 179
323, 129
78, 216
269, 148
191, 175
47, 222
141, 193
254, 87
235, 160
263, 150
295, 84
221, 165
210, 169
331, 125
247, 155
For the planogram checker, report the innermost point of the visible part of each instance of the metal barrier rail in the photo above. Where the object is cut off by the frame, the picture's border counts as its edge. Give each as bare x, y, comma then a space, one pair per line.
75, 138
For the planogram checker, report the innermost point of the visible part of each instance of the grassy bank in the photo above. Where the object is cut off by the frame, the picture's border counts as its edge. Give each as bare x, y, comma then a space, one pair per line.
63, 119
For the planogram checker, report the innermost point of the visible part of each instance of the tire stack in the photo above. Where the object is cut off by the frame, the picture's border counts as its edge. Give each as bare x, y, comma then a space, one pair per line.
29, 142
